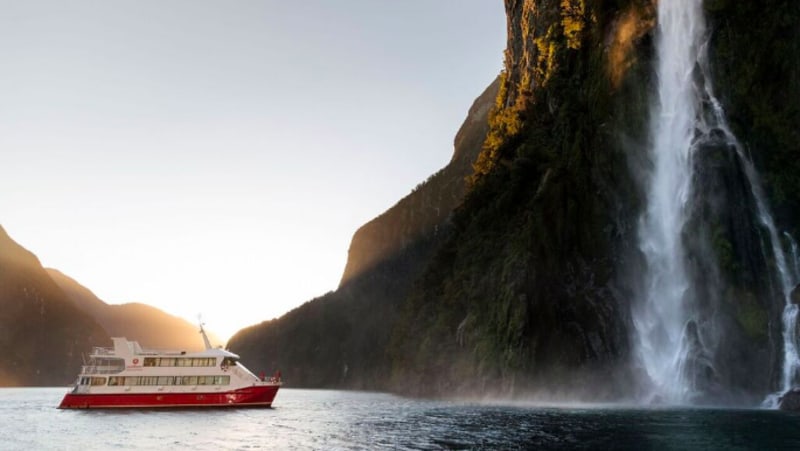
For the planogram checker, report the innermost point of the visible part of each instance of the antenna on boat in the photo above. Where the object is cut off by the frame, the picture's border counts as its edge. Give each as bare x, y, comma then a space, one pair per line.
203, 333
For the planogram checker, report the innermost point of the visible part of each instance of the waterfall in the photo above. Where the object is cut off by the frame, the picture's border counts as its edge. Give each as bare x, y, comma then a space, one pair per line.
663, 313
668, 322
787, 276
791, 361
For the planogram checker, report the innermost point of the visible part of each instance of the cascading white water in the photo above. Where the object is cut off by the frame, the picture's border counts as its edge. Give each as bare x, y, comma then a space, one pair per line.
665, 320
791, 360
787, 276
662, 315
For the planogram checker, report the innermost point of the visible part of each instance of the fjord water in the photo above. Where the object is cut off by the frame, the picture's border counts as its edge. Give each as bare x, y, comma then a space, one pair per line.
320, 419
676, 339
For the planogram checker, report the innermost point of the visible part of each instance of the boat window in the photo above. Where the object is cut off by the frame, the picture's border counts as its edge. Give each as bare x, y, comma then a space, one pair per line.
203, 361
104, 366
167, 361
157, 380
229, 361
222, 380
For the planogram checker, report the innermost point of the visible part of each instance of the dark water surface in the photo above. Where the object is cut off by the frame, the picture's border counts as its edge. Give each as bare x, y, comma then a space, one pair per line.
319, 419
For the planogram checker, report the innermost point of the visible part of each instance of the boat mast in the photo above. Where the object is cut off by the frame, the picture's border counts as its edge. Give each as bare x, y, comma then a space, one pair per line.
205, 337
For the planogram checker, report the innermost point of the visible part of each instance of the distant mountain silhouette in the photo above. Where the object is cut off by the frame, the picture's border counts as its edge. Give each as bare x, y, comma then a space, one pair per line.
151, 327
42, 333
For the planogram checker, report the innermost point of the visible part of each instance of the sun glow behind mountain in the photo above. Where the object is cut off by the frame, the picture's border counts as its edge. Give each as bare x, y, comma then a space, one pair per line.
215, 158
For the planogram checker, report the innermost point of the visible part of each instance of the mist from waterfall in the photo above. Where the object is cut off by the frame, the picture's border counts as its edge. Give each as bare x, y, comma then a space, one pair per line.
673, 341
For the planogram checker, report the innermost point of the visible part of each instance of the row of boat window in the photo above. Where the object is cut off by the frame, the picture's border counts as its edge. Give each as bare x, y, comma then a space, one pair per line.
156, 380
92, 381
180, 361
169, 380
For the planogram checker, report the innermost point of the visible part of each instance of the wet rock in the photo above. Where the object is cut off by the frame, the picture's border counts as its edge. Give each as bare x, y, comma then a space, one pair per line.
795, 296
790, 400
698, 368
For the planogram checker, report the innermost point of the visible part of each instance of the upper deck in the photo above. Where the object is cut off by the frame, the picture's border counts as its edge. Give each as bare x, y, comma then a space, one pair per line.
124, 349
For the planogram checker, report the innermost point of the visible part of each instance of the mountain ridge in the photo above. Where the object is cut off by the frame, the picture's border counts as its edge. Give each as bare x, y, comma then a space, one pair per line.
150, 326
42, 333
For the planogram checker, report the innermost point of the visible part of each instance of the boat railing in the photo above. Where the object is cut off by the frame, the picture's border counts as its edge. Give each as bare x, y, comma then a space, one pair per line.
154, 352
159, 352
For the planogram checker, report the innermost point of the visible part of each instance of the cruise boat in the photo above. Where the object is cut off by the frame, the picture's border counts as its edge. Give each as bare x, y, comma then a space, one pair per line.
127, 376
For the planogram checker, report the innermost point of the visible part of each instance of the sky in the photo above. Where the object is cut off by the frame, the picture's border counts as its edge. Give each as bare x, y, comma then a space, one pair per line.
216, 157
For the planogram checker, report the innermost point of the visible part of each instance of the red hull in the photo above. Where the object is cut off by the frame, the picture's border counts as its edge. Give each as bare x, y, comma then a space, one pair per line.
257, 395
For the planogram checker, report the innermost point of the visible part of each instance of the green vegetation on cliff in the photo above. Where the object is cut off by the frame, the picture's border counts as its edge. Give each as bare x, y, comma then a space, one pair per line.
522, 293
529, 284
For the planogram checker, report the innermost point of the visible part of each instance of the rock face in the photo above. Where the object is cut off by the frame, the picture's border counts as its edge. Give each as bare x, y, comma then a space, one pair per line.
526, 296
790, 400
42, 334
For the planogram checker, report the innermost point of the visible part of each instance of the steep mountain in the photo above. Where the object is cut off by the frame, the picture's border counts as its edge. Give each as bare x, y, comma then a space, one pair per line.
424, 211
524, 296
340, 339
546, 283
42, 334
151, 327
574, 266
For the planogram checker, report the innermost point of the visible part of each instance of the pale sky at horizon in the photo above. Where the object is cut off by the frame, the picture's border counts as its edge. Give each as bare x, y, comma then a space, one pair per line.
216, 157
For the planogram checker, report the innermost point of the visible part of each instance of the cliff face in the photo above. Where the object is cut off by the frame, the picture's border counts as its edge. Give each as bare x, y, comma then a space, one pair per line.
533, 292
525, 296
42, 334
340, 339
427, 208
754, 53
530, 287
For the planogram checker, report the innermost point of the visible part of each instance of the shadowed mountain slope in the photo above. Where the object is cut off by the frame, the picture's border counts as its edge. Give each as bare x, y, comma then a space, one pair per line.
42, 333
340, 339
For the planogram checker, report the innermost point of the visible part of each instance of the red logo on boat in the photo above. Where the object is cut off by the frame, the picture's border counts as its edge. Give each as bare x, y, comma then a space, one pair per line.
135, 361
